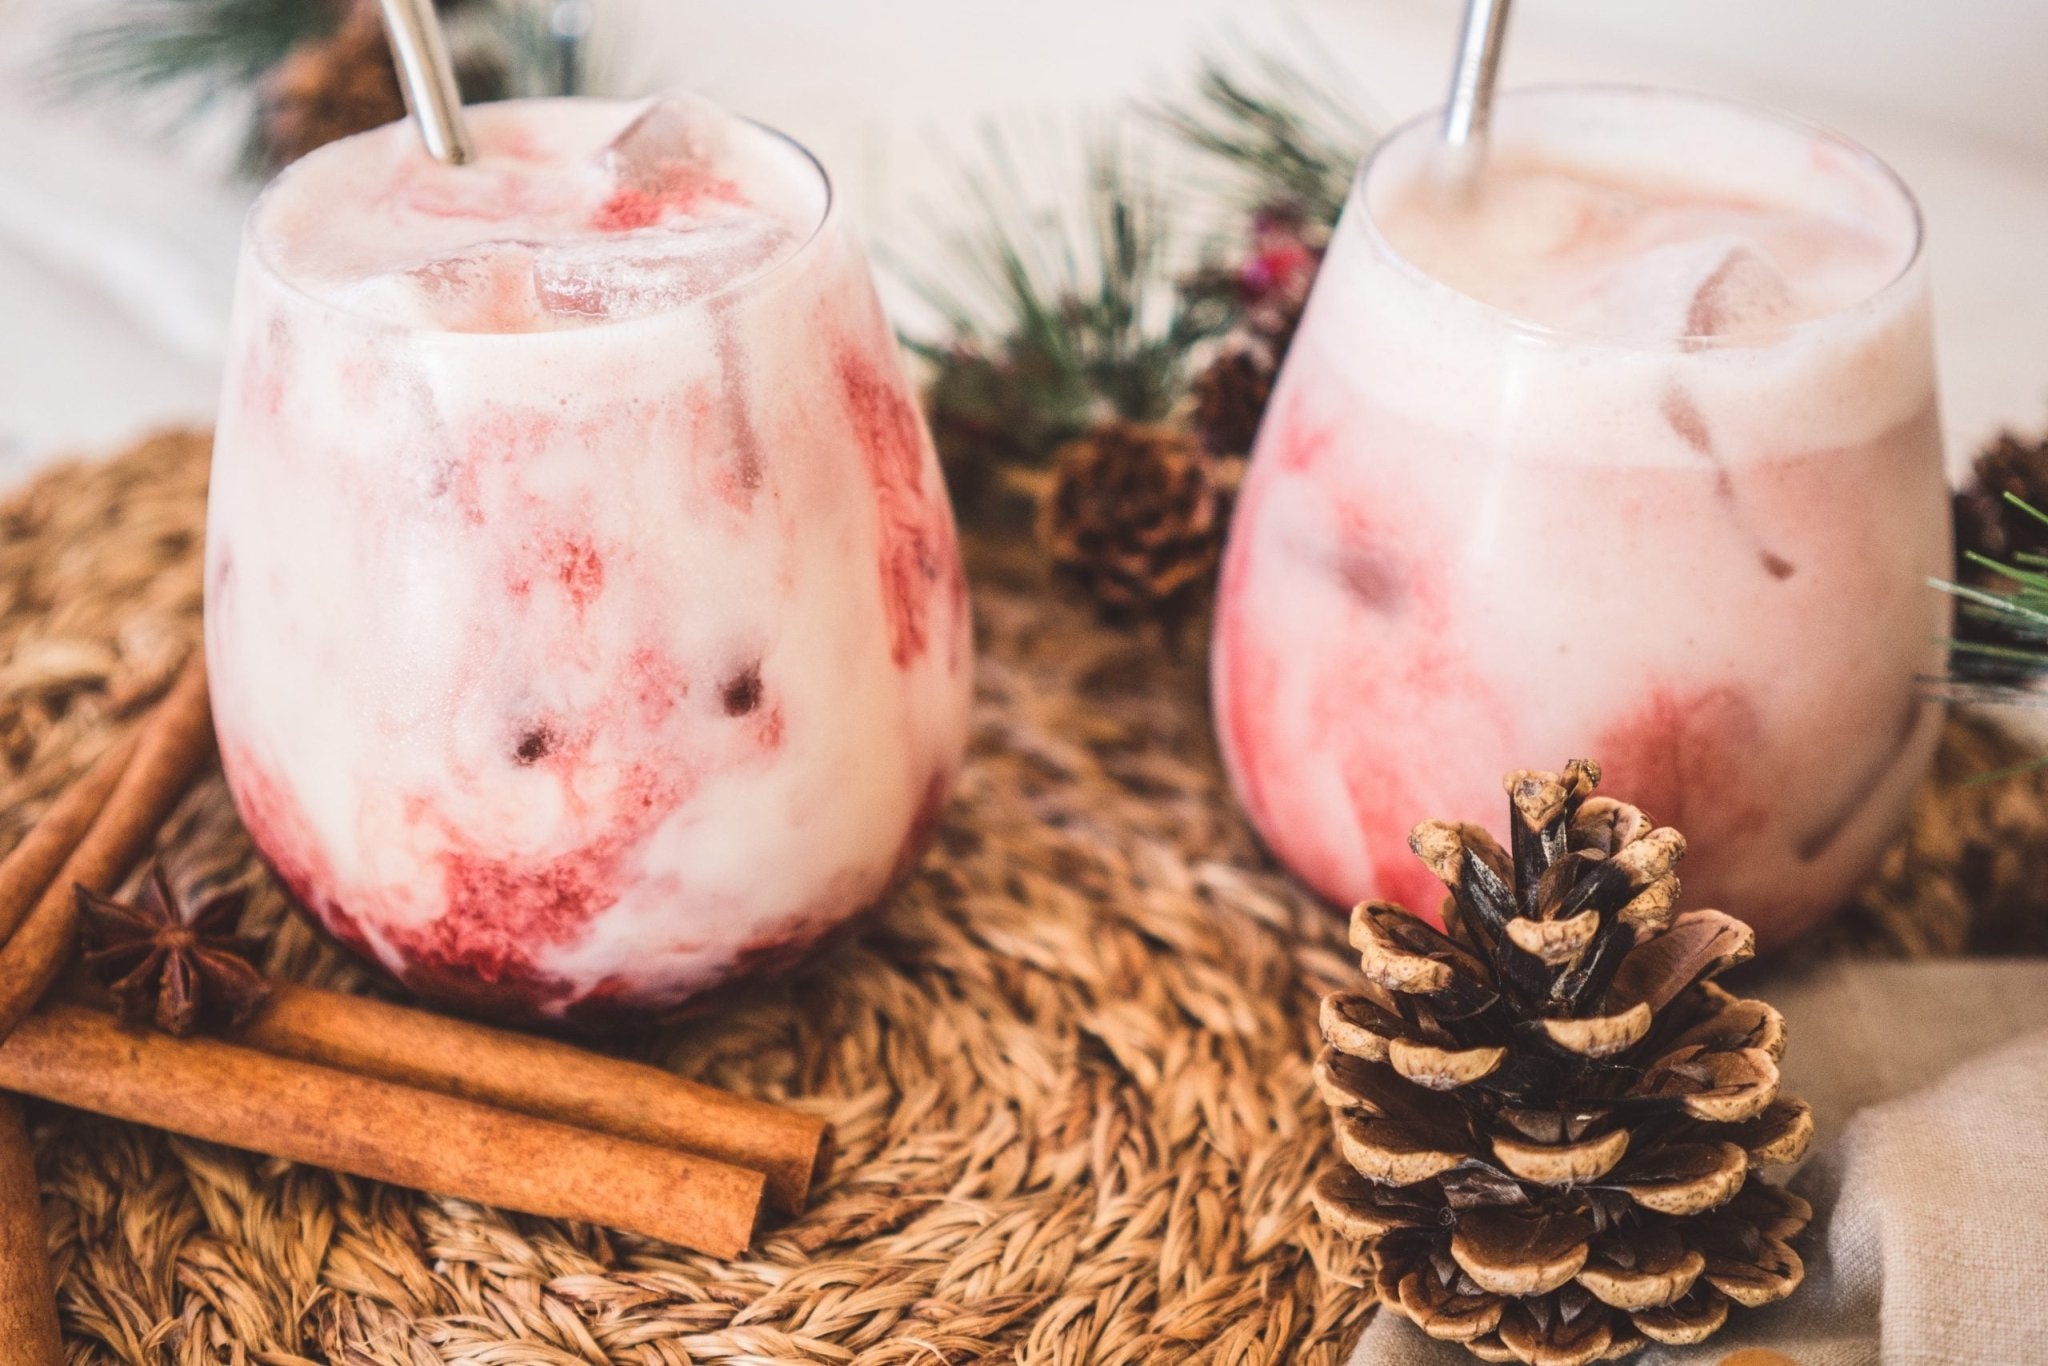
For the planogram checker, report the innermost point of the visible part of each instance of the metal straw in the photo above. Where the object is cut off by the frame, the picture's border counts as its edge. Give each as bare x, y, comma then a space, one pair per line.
570, 22
428, 76
1472, 77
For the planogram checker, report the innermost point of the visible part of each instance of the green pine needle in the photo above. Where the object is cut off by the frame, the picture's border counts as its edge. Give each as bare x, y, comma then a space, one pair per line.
1999, 775
1995, 604
2024, 506
1993, 650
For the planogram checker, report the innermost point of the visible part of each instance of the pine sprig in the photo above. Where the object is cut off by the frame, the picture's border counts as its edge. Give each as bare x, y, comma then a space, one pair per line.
1137, 331
1284, 136
2006, 664
194, 55
1092, 300
199, 50
1062, 322
1059, 321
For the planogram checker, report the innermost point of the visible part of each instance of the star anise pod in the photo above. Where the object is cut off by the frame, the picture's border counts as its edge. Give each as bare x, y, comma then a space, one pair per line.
181, 967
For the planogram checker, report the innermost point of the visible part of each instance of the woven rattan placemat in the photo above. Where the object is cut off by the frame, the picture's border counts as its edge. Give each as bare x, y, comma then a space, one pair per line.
1068, 1063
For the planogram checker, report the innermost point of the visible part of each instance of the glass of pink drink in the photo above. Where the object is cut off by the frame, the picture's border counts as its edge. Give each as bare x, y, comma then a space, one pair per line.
1627, 450
583, 607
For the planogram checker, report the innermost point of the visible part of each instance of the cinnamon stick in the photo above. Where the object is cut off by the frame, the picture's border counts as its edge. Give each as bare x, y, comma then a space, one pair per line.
538, 1077
28, 1305
543, 1078
28, 868
173, 742
28, 1299
226, 1093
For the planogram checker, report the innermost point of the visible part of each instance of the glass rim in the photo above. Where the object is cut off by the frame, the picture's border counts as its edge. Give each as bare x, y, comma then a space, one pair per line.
1527, 329
253, 251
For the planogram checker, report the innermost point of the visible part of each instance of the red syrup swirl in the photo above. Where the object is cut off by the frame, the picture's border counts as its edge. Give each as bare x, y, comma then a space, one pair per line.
917, 557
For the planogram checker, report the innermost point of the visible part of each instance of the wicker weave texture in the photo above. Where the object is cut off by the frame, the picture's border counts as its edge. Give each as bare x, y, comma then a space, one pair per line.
1068, 1062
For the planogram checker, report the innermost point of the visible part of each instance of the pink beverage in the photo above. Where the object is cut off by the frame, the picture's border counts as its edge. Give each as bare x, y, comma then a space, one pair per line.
1628, 451
583, 607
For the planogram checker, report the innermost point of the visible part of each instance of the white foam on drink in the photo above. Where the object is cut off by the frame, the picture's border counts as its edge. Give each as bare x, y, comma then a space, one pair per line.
1577, 247
485, 288
1714, 287
653, 270
575, 212
1622, 243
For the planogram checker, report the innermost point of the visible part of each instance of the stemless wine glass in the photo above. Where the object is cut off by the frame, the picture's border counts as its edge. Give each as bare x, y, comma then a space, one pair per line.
583, 606
1681, 532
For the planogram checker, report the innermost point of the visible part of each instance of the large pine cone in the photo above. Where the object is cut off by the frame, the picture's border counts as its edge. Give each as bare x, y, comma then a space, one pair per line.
1132, 519
330, 88
1551, 1119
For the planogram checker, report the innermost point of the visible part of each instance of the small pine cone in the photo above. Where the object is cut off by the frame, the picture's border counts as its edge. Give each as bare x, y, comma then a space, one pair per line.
1231, 394
1131, 519
1985, 521
1551, 1119
330, 88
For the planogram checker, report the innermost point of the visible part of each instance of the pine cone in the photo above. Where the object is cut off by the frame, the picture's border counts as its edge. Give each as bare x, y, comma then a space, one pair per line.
1551, 1120
1131, 519
1231, 394
330, 88
1985, 521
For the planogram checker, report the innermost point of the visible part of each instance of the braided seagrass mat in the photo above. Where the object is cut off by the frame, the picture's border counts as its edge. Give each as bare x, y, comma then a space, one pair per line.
1068, 1062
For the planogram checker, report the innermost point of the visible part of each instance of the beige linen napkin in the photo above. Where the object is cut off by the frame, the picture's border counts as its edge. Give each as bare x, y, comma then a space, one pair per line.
1929, 1083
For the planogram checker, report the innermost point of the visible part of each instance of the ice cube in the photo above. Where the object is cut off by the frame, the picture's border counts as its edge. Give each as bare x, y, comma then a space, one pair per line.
666, 165
1744, 292
631, 275
1713, 287
672, 139
484, 288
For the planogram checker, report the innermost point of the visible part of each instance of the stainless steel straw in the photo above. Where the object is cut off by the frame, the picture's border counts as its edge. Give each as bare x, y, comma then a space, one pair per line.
1472, 77
428, 76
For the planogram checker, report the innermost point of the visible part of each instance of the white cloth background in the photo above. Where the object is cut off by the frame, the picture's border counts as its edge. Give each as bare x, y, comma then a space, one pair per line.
1929, 1083
116, 253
